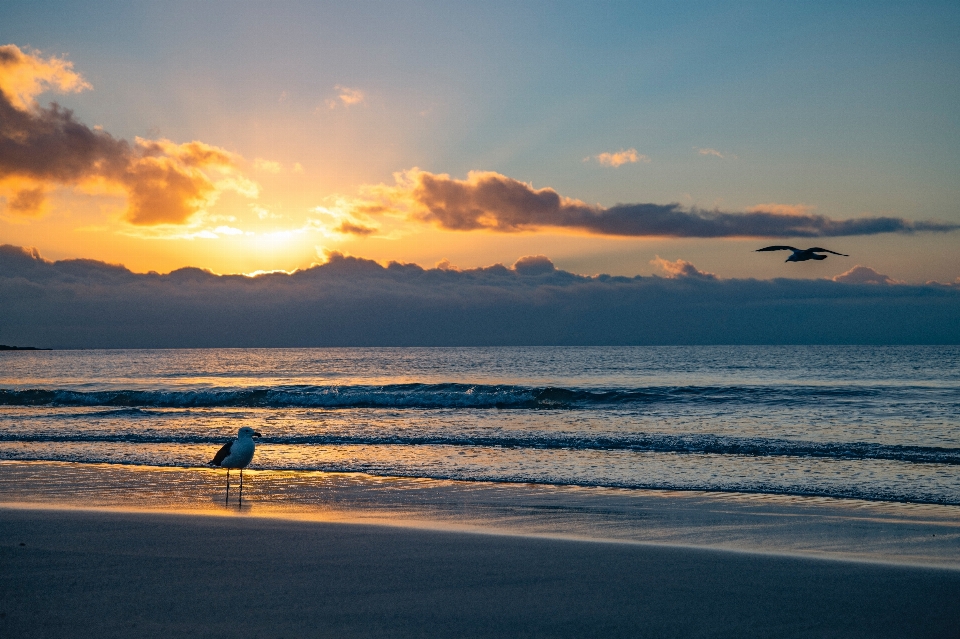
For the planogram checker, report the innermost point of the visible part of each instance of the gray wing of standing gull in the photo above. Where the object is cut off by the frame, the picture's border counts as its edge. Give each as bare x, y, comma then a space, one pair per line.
221, 454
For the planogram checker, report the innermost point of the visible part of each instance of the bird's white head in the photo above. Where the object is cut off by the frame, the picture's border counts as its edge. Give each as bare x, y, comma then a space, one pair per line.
247, 432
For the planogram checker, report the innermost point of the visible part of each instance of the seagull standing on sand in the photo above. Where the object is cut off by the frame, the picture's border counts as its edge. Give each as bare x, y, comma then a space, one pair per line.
802, 255
236, 454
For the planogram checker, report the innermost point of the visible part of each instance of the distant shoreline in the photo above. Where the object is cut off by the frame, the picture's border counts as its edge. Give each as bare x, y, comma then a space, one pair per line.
4, 347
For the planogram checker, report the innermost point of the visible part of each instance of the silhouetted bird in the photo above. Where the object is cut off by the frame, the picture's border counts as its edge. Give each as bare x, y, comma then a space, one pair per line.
236, 454
802, 255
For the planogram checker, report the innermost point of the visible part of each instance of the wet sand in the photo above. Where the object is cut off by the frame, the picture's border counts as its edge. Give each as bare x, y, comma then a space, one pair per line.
119, 574
879, 532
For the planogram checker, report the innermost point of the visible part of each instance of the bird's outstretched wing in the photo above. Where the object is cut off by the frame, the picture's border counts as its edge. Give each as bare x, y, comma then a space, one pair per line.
777, 248
817, 249
221, 454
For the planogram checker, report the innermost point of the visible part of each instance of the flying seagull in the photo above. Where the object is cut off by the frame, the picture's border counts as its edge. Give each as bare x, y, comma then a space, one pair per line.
236, 454
802, 255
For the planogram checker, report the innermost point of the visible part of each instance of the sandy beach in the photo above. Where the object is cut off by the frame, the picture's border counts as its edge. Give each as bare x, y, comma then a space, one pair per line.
117, 574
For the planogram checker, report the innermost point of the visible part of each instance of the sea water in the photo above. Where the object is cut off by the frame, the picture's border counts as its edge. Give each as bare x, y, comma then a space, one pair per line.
871, 423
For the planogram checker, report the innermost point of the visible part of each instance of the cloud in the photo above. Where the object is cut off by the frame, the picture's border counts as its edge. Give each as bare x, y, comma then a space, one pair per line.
864, 275
349, 228
346, 96
23, 76
628, 156
715, 153
27, 202
445, 265
227, 230
494, 202
534, 265
350, 301
46, 147
267, 166
782, 209
681, 268
167, 182
264, 213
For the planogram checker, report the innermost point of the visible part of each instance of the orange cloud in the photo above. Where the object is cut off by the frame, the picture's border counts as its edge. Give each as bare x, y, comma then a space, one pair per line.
782, 209
267, 166
346, 96
445, 265
681, 268
628, 156
165, 182
864, 275
23, 76
715, 153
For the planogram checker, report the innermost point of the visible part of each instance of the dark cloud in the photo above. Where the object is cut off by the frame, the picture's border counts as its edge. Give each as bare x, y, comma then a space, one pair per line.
27, 202
355, 302
672, 221
49, 144
355, 229
534, 265
166, 183
496, 202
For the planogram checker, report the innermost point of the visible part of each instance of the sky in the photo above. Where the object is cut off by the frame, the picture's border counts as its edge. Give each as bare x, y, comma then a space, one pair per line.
628, 139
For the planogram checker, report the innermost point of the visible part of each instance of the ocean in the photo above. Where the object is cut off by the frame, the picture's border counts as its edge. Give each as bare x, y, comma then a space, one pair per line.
871, 423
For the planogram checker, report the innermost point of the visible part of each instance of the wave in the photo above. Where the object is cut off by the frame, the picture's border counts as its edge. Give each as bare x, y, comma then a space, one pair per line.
659, 443
447, 395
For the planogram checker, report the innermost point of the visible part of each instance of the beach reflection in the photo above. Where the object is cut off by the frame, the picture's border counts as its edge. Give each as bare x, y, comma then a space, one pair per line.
930, 483
840, 528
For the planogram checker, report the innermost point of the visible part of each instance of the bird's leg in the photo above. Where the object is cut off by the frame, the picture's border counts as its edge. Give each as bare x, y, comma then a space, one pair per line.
227, 500
241, 488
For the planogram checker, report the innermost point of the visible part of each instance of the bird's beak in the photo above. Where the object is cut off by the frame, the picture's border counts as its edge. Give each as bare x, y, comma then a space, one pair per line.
256, 434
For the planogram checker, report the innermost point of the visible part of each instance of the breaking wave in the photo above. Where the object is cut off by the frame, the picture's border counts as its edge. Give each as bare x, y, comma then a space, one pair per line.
449, 395
660, 443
